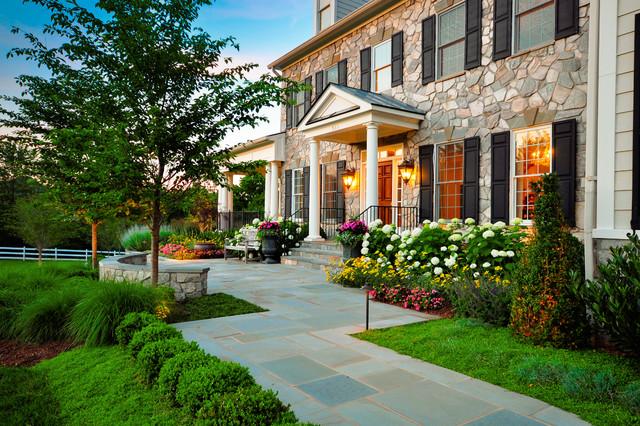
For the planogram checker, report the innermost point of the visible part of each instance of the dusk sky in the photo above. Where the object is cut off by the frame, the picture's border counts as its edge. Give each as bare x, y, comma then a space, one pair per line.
265, 30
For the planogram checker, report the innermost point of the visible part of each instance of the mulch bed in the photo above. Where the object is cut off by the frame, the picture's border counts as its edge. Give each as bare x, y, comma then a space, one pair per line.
18, 354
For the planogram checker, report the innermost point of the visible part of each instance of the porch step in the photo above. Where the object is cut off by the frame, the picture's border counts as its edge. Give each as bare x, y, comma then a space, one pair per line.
317, 255
307, 262
322, 245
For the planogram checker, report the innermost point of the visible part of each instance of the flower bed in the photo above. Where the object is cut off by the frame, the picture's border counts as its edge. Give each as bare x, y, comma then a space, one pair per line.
182, 246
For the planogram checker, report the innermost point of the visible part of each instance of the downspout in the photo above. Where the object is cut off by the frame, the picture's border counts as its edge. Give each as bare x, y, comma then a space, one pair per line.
591, 153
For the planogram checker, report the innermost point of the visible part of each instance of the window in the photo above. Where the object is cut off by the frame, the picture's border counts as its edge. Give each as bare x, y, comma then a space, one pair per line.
331, 75
297, 198
450, 176
534, 24
324, 18
382, 66
532, 160
329, 191
451, 31
299, 108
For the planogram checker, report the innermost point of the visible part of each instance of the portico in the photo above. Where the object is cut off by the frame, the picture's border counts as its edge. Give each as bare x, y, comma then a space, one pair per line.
351, 116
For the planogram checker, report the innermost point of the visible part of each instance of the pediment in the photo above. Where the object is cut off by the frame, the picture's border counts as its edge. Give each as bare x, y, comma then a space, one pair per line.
332, 106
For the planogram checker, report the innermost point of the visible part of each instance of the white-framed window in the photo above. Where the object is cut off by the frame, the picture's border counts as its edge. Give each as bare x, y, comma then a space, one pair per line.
330, 191
381, 67
449, 179
297, 185
451, 32
534, 23
324, 18
331, 75
531, 159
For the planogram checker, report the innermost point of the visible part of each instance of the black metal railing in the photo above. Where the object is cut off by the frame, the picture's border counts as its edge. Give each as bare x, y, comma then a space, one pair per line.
300, 216
402, 217
330, 220
236, 220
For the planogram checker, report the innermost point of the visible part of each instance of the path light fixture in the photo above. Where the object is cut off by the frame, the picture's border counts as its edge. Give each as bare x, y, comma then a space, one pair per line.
367, 289
406, 170
348, 178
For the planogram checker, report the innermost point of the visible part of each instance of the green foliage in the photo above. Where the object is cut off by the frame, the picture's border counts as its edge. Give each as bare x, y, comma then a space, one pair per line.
153, 355
173, 369
538, 370
45, 319
246, 406
630, 397
202, 384
132, 323
151, 333
96, 317
292, 235
138, 238
613, 298
545, 309
248, 195
211, 306
584, 384
25, 398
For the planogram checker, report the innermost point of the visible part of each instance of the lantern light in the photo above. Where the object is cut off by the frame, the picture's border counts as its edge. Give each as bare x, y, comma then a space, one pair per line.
406, 170
348, 177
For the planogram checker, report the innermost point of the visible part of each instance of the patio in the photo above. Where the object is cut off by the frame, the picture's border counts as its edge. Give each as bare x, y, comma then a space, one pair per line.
301, 348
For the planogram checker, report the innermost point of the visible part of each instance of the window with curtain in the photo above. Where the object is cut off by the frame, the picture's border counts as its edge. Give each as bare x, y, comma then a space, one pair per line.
532, 160
329, 191
297, 196
534, 24
382, 66
450, 177
451, 32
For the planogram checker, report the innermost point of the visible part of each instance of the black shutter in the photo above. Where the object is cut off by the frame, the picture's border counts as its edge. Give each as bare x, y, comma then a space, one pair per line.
564, 165
502, 26
287, 193
425, 155
429, 50
500, 165
473, 36
471, 185
567, 18
340, 168
290, 111
397, 58
365, 69
305, 204
635, 188
342, 72
319, 83
307, 95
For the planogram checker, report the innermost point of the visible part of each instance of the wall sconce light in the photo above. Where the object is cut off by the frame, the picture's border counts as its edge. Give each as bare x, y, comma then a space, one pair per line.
406, 170
348, 177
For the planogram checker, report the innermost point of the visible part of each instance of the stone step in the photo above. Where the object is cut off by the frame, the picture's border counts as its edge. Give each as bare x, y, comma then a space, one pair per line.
306, 262
322, 245
314, 251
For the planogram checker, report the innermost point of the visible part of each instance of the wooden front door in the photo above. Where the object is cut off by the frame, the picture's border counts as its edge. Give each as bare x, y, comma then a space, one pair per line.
385, 191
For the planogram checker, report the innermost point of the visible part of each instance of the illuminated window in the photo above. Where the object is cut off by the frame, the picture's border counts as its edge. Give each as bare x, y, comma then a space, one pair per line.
451, 31
532, 160
535, 23
329, 191
382, 66
324, 18
297, 198
450, 176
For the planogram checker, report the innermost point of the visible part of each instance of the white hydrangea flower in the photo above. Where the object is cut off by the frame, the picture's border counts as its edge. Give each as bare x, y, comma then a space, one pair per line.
390, 247
443, 248
471, 236
373, 226
413, 252
488, 234
502, 253
256, 221
510, 253
455, 221
517, 221
449, 262
495, 253
453, 248
366, 236
416, 232
365, 243
455, 237
409, 257
286, 231
434, 225
416, 264
473, 266
438, 271
395, 237
410, 241
442, 221
406, 233
470, 221
380, 260
486, 265
291, 237
387, 229
299, 230
435, 261
403, 245
476, 275
426, 222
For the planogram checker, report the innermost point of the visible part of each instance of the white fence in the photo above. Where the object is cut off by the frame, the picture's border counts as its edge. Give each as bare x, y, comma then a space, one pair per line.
28, 253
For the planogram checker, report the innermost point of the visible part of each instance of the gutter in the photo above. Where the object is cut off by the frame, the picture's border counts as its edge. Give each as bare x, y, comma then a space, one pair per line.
591, 153
355, 19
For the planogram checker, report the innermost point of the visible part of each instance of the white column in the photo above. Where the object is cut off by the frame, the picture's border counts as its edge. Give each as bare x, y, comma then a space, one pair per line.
314, 192
275, 175
372, 167
267, 191
229, 192
222, 199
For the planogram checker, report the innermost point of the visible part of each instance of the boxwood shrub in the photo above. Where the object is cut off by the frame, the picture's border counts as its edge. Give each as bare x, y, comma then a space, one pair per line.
173, 369
152, 333
133, 322
153, 356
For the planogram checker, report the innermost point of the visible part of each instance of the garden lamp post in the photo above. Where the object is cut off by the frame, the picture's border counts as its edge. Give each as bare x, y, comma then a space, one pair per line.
367, 288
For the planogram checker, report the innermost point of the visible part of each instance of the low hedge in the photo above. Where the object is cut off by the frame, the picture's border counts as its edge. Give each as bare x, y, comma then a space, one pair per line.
172, 370
132, 323
154, 355
151, 333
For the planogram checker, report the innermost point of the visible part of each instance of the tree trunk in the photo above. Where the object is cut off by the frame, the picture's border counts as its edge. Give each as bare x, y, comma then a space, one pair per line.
94, 244
155, 241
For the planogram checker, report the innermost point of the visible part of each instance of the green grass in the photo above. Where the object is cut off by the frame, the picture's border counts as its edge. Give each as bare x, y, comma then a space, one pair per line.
212, 306
492, 354
86, 386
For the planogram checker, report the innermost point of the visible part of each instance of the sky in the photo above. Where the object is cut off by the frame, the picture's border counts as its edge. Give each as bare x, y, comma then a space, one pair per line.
265, 29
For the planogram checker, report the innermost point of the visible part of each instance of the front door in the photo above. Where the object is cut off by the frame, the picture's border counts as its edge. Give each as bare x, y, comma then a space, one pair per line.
385, 191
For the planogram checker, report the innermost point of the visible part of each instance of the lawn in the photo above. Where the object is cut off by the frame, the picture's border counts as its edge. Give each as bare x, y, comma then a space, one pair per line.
212, 306
492, 354
95, 386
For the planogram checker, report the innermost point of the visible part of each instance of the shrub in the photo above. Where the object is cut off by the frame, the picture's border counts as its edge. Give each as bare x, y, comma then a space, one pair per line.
202, 384
545, 308
173, 369
246, 406
45, 319
138, 238
584, 384
153, 355
614, 298
152, 333
96, 317
630, 397
133, 322
534, 370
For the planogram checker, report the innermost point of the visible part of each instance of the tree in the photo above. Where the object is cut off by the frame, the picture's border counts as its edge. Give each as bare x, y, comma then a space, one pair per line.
249, 193
165, 83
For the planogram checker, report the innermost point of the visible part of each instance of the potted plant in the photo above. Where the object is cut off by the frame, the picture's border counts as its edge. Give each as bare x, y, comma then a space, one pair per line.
350, 235
269, 235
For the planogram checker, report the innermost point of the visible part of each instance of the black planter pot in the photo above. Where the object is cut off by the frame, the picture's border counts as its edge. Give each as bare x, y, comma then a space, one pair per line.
205, 246
271, 250
349, 252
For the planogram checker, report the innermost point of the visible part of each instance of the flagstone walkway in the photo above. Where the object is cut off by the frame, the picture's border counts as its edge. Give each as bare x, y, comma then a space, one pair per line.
302, 348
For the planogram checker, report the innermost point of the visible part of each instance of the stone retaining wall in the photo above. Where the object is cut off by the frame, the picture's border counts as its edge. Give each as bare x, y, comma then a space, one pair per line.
187, 281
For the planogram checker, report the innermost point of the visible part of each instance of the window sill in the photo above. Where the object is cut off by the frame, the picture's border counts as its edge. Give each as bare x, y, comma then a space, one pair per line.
532, 49
451, 76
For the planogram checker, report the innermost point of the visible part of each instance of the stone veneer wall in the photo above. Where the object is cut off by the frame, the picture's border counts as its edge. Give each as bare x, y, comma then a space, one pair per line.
187, 282
539, 86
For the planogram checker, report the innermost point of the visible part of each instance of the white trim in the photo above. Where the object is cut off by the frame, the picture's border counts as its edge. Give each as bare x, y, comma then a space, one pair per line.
395, 160
439, 75
373, 66
514, 35
293, 189
611, 234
